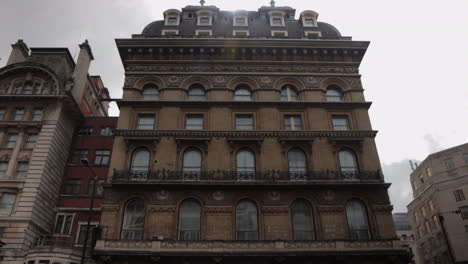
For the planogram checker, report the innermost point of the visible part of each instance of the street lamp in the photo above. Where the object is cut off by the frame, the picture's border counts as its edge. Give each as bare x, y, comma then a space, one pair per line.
85, 162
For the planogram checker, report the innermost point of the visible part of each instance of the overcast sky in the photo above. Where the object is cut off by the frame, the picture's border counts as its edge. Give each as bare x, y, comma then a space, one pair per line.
415, 71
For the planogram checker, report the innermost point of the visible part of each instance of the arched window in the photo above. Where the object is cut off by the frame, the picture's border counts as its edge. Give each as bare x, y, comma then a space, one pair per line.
192, 164
348, 162
140, 164
297, 164
356, 214
289, 94
334, 95
134, 220
245, 165
246, 220
242, 93
196, 92
302, 220
28, 88
189, 220
150, 92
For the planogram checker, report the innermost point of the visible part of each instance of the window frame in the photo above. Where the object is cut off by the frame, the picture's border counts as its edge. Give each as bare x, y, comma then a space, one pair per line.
279, 33
102, 157
311, 219
21, 174
65, 215
366, 217
37, 114
78, 232
297, 173
106, 131
196, 97
66, 189
189, 116
333, 98
143, 115
123, 228
201, 32
10, 144
15, 114
132, 157
181, 219
150, 96
5, 204
73, 156
355, 158
240, 33
257, 222
192, 172
235, 22
100, 185
459, 195
292, 122
27, 143
244, 115
463, 212
243, 97
340, 117
289, 90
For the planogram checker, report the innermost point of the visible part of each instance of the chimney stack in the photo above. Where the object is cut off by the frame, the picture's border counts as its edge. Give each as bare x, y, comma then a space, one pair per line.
19, 52
80, 74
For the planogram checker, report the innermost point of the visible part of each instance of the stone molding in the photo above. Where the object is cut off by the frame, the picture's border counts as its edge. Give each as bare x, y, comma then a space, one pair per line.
275, 210
222, 210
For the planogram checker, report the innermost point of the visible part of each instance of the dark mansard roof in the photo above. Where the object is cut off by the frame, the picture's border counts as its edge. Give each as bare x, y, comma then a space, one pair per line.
222, 24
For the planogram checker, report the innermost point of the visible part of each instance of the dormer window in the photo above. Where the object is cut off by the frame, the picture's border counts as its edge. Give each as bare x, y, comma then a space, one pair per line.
204, 33
204, 21
172, 21
240, 21
204, 18
240, 33
170, 32
277, 18
172, 17
277, 21
309, 18
279, 33
313, 34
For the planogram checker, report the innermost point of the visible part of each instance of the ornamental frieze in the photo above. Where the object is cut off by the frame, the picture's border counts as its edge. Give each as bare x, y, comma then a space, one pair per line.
382, 208
354, 83
162, 209
275, 210
130, 81
222, 210
331, 209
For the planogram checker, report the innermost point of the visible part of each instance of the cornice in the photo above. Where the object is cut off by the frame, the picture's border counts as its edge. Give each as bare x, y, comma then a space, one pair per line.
249, 104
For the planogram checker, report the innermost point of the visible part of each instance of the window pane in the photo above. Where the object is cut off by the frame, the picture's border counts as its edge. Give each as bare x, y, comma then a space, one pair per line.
59, 224
189, 220
196, 93
297, 164
37, 114
134, 220
347, 161
357, 220
289, 94
72, 187
19, 114
30, 141
245, 165
292, 122
22, 169
78, 155
340, 123
99, 188
11, 143
145, 122
140, 160
244, 122
82, 233
194, 122
3, 168
106, 131
246, 221
192, 160
102, 157
302, 221
242, 94
150, 92
334, 95
6, 203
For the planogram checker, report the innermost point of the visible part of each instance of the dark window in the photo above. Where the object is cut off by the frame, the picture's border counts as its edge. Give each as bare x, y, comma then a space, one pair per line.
63, 224
85, 131
241, 34
134, 220
277, 21
464, 212
3, 168
102, 157
348, 162
37, 114
192, 161
279, 34
246, 221
357, 220
145, 122
340, 123
189, 220
289, 94
99, 187
204, 20
465, 157
245, 165
28, 88
308, 21
172, 20
196, 92
334, 95
297, 164
240, 21
78, 155
459, 195
30, 141
242, 93
106, 131
140, 160
449, 164
302, 220
22, 169
194, 122
19, 114
293, 122
72, 187
82, 233
150, 92
11, 142
244, 122
2, 114
7, 201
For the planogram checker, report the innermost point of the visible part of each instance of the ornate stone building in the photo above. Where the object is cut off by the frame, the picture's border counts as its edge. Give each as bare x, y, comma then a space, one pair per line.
406, 234
244, 137
439, 210
43, 95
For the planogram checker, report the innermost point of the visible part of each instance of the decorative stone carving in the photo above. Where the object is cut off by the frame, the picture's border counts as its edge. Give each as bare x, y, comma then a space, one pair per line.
274, 196
331, 209
162, 209
219, 81
218, 195
223, 210
311, 82
130, 81
162, 195
382, 208
127, 244
173, 81
328, 196
355, 83
276, 210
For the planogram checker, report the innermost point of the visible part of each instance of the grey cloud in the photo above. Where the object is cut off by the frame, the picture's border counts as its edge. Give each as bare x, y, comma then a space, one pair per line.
433, 143
400, 191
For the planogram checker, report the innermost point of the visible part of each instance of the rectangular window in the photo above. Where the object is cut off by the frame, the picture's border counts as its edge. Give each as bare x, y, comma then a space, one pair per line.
459, 195
241, 33
63, 224
429, 172
145, 122
19, 114
449, 164
204, 21
2, 114
277, 21
240, 21
312, 34
279, 34
308, 21
292, 122
99, 187
72, 187
340, 123
37, 114
78, 155
170, 32
102, 157
244, 122
464, 212
172, 21
203, 33
11, 143
105, 131
22, 169
82, 233
30, 141
421, 178
7, 202
194, 122
431, 205
3, 168
85, 131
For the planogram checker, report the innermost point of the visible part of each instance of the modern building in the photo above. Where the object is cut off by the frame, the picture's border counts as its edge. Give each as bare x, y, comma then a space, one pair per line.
405, 234
43, 95
440, 184
244, 137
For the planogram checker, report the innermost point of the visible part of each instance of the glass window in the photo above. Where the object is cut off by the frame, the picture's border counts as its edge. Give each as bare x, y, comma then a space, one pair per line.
449, 164
82, 233
27, 88
106, 131
78, 155
240, 33
289, 94
429, 171
280, 34
37, 114
348, 161
2, 114
459, 195
3, 168
245, 165
334, 95
85, 131
340, 123
22, 169
244, 122
246, 221
99, 187
196, 92
12, 139
192, 164
356, 214
134, 220
30, 141
297, 164
464, 212
72, 187
19, 114
102, 157
194, 122
172, 20
292, 122
204, 20
7, 202
150, 92
302, 220
308, 21
140, 160
145, 121
242, 93
189, 220
240, 21
277, 21
63, 224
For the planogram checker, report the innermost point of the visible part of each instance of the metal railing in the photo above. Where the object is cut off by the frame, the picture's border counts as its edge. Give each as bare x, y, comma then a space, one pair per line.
126, 176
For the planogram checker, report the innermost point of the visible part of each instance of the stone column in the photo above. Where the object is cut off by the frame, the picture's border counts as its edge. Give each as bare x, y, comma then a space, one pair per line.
14, 155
